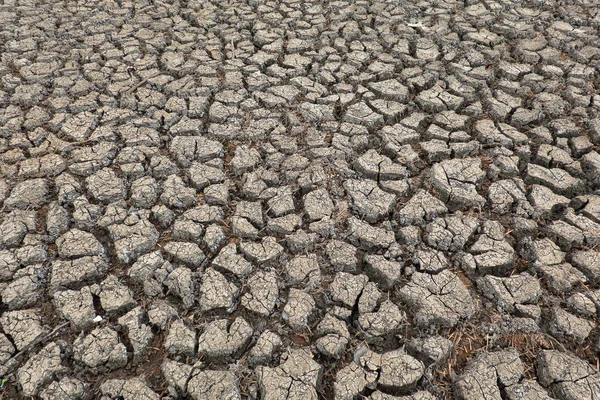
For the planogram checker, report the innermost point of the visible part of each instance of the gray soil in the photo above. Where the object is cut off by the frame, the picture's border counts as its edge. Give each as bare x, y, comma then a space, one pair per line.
283, 199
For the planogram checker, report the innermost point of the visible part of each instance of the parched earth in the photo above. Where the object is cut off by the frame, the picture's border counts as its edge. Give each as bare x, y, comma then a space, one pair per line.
287, 199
